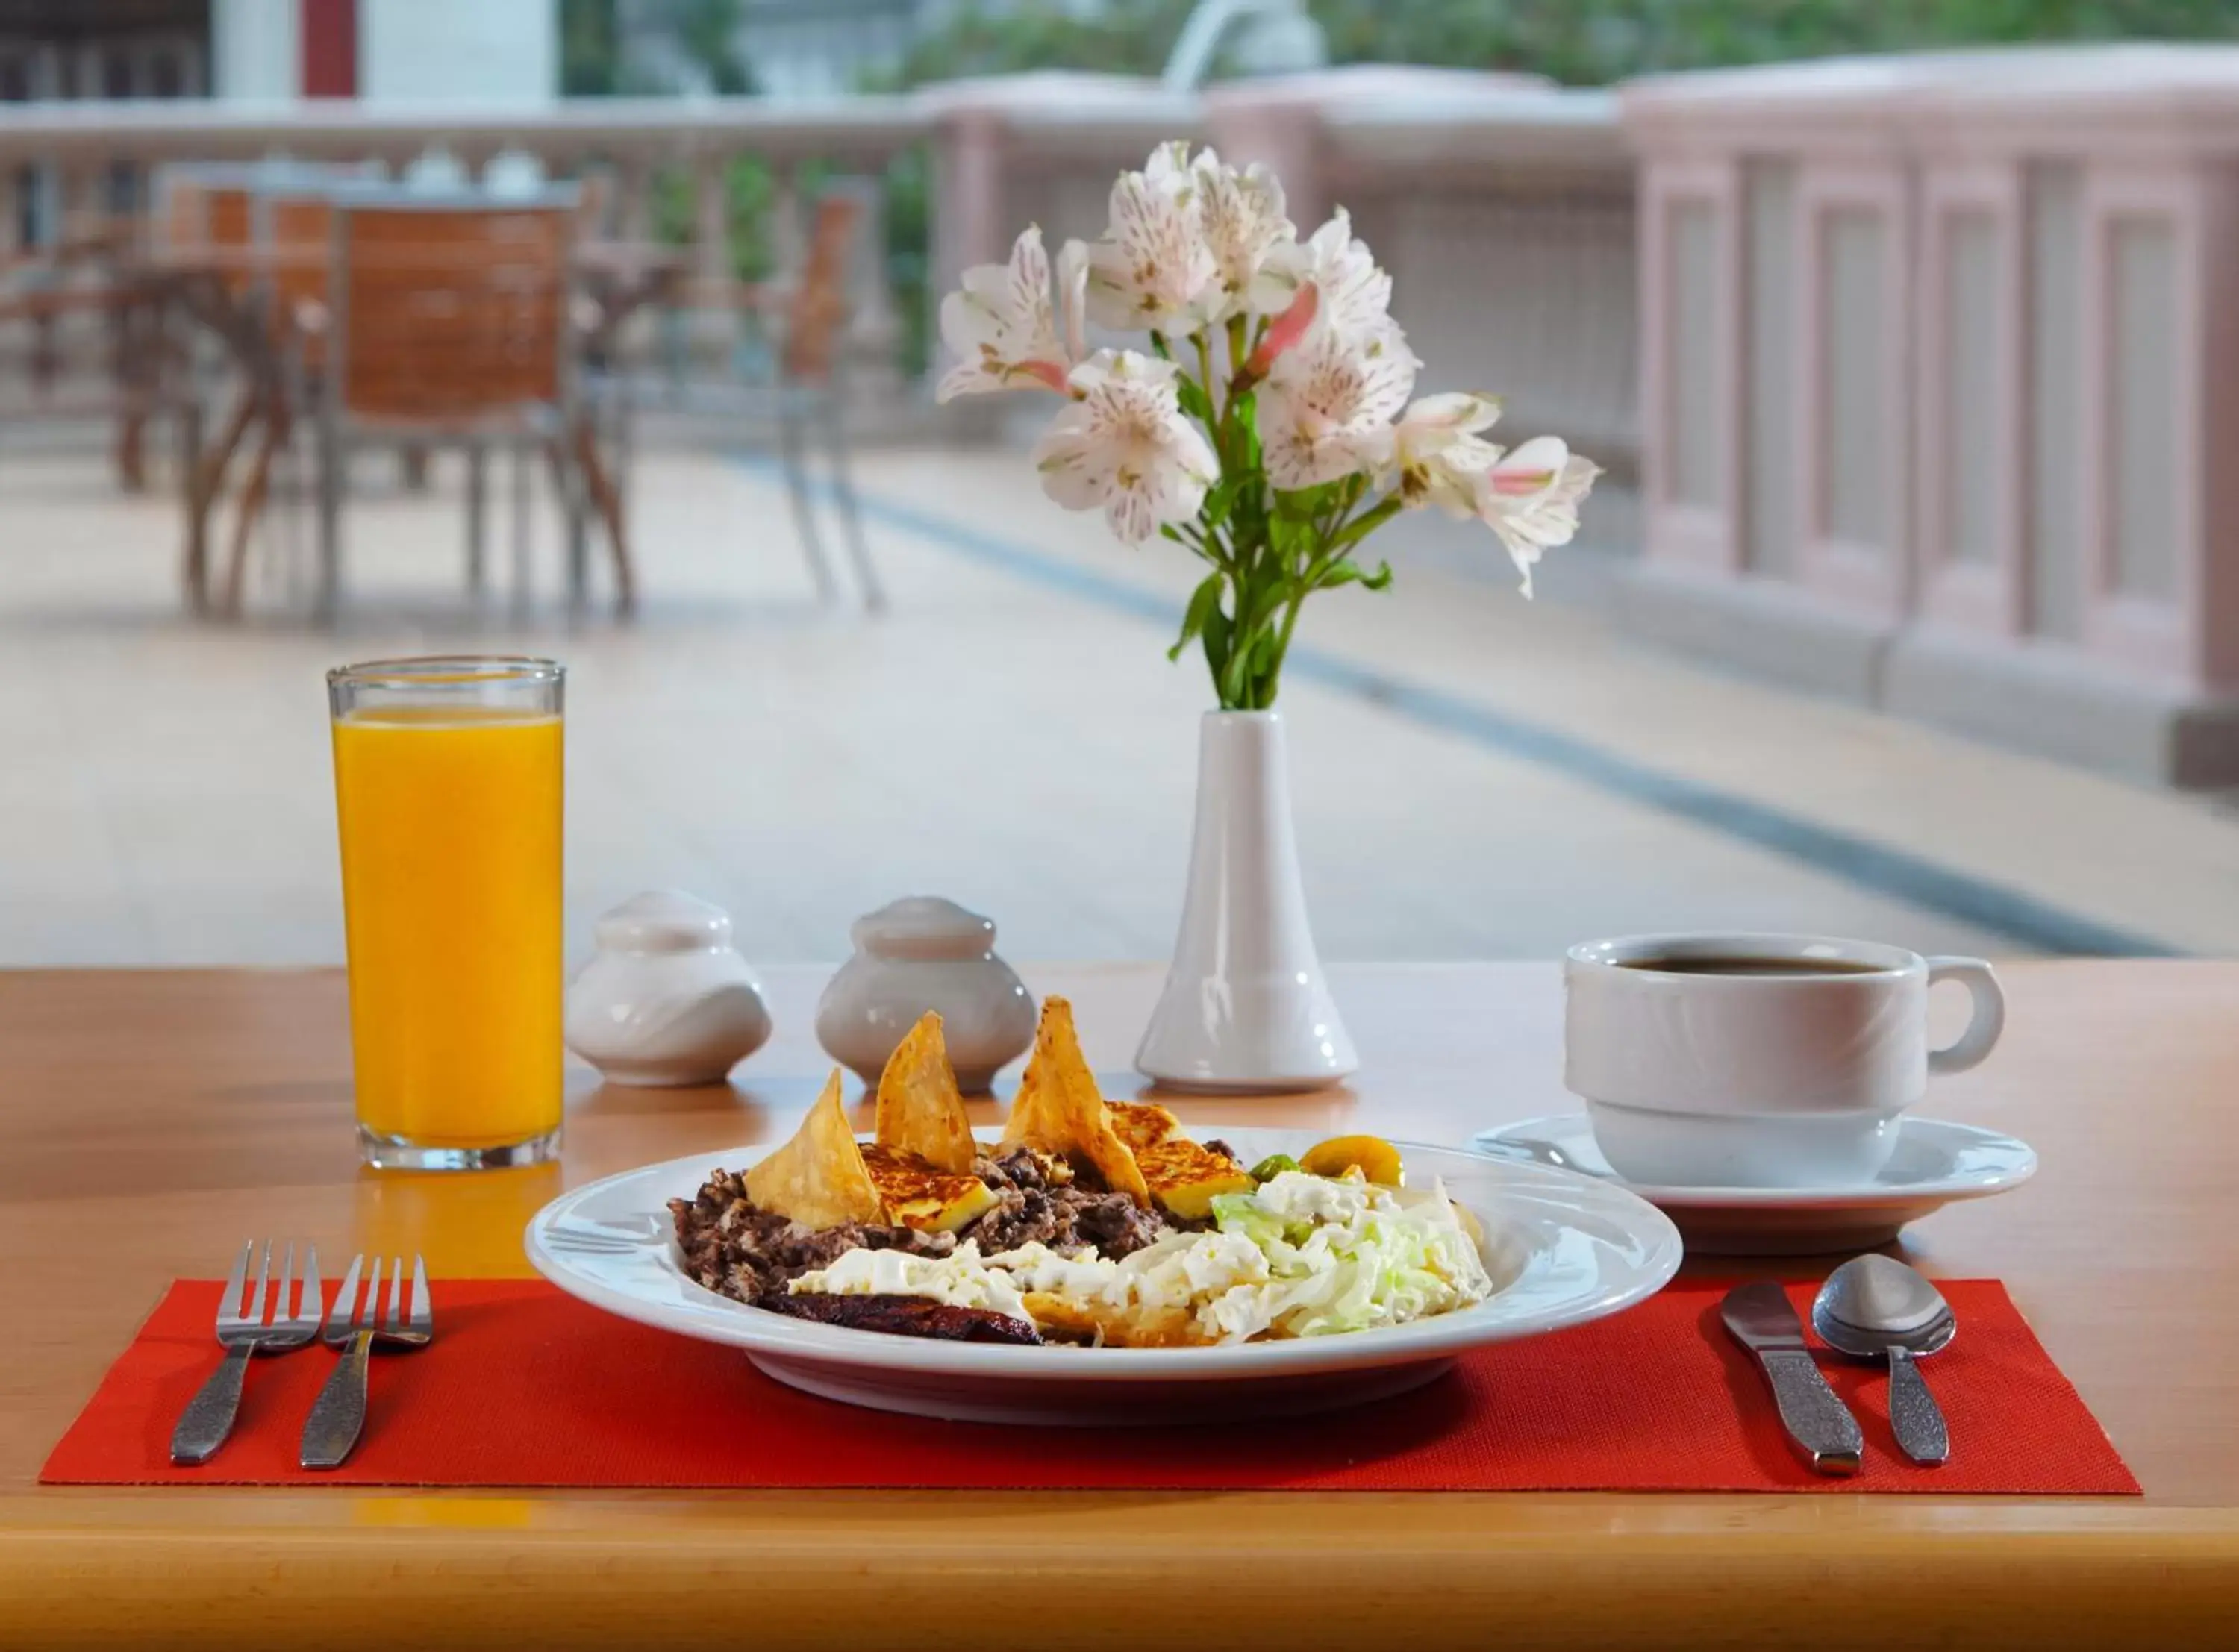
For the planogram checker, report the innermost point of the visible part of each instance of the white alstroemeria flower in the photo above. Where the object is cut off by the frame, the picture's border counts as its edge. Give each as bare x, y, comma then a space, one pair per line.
1000, 326
1531, 498
1356, 295
1152, 268
1241, 215
1438, 458
1124, 444
1325, 410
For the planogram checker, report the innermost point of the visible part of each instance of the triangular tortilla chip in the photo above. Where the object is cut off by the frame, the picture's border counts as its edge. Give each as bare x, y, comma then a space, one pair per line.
819, 1178
920, 1110
1060, 1111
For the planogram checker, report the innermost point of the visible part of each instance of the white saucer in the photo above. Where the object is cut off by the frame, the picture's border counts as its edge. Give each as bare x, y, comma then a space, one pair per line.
1934, 1164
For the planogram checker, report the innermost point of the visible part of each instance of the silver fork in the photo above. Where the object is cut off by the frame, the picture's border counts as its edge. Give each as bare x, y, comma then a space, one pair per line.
242, 1330
338, 1414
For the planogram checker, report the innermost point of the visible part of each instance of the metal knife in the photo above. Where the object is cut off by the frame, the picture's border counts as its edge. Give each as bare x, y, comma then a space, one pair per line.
1819, 1425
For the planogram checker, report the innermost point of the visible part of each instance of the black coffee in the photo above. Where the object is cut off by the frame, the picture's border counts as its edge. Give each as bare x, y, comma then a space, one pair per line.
1699, 965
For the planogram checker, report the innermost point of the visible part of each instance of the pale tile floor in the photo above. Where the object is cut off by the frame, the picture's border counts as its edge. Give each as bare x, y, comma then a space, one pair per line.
999, 737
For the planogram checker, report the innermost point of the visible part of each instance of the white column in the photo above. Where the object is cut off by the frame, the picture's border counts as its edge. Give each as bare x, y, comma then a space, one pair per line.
257, 52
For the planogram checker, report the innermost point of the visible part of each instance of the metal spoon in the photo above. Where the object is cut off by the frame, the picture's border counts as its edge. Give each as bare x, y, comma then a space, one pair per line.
1874, 1306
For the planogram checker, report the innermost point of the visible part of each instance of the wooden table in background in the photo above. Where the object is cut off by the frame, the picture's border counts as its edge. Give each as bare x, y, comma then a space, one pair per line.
150, 1121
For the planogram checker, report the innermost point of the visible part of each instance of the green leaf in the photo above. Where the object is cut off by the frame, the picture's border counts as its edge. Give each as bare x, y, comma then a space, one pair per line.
1304, 504
1347, 572
1203, 601
1193, 400
1215, 639
1366, 523
1219, 501
1159, 348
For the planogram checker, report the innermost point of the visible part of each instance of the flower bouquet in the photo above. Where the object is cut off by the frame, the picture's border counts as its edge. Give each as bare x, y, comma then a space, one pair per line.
1268, 429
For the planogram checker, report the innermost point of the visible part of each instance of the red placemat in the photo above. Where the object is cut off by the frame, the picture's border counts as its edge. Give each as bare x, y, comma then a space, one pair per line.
525, 1386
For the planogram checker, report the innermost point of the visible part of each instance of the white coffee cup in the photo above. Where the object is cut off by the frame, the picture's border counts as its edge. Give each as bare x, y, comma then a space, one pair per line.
1791, 1073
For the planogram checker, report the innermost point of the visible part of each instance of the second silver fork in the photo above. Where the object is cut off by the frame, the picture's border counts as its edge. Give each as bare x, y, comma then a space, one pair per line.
242, 1330
338, 1414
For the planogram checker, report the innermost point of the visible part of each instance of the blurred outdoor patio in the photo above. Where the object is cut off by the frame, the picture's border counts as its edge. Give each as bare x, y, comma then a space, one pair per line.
1475, 776
1902, 370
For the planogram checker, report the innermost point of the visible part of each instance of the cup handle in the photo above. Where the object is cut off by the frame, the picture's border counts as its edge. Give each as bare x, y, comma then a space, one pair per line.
1989, 1020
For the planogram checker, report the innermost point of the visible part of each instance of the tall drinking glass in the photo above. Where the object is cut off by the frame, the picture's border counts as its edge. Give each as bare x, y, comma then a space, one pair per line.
447, 788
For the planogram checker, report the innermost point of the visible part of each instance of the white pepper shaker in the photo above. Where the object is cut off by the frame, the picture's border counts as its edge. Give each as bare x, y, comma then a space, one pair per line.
921, 953
665, 999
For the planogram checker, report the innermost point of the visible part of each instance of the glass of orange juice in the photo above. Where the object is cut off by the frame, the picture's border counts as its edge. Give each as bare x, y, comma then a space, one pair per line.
448, 789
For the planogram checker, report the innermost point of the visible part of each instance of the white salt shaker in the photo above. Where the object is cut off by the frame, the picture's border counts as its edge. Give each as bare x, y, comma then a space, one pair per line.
665, 999
921, 953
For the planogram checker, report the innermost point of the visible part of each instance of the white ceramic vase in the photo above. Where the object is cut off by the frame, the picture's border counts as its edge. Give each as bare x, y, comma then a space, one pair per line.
1245, 1007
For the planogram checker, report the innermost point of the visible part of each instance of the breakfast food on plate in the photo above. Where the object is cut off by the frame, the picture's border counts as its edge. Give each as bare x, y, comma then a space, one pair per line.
1091, 1222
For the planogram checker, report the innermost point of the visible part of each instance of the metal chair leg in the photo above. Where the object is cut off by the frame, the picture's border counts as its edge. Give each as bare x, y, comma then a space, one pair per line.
804, 511
523, 550
851, 522
256, 493
604, 496
570, 489
477, 516
333, 462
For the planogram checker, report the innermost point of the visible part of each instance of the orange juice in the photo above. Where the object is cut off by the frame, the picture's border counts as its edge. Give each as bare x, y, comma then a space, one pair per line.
450, 841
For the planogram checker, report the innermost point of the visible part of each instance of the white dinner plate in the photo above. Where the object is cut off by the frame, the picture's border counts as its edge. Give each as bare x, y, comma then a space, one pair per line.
1934, 1165
1562, 1249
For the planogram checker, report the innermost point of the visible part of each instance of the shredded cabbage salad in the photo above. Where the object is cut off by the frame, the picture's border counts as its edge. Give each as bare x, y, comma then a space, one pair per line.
1302, 1255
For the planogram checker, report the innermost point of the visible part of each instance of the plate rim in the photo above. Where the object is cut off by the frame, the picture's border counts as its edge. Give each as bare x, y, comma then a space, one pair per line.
1950, 1189
1439, 1337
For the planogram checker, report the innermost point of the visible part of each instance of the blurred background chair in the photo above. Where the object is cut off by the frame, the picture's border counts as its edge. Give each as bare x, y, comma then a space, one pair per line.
780, 355
83, 337
450, 323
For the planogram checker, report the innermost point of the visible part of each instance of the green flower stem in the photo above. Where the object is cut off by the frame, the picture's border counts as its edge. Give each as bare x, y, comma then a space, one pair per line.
1268, 551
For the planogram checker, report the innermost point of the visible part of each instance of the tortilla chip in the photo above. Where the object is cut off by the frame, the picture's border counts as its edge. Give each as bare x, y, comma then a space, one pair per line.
819, 1178
920, 1110
1060, 1111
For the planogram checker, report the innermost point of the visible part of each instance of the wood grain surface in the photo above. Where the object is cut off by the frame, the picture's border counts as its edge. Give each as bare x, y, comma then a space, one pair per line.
150, 1121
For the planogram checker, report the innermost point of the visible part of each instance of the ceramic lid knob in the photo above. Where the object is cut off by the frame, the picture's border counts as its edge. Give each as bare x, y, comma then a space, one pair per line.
664, 920
923, 926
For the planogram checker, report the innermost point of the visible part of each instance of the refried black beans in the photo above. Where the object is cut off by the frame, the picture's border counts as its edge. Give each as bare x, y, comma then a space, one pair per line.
733, 1249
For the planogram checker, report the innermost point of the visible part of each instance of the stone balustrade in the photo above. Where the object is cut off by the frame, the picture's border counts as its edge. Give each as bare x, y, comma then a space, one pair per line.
1940, 390
1503, 205
67, 162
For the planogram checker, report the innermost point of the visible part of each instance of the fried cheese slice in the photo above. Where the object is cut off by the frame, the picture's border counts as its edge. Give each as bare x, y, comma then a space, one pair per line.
1184, 1177
819, 1178
1060, 1111
920, 1111
918, 1195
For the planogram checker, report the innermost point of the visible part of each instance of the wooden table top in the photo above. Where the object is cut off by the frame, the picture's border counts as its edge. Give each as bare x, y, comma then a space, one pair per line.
150, 1121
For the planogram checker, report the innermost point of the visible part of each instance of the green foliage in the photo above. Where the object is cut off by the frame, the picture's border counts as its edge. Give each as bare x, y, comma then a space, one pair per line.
708, 32
590, 48
1592, 41
1584, 43
1120, 37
